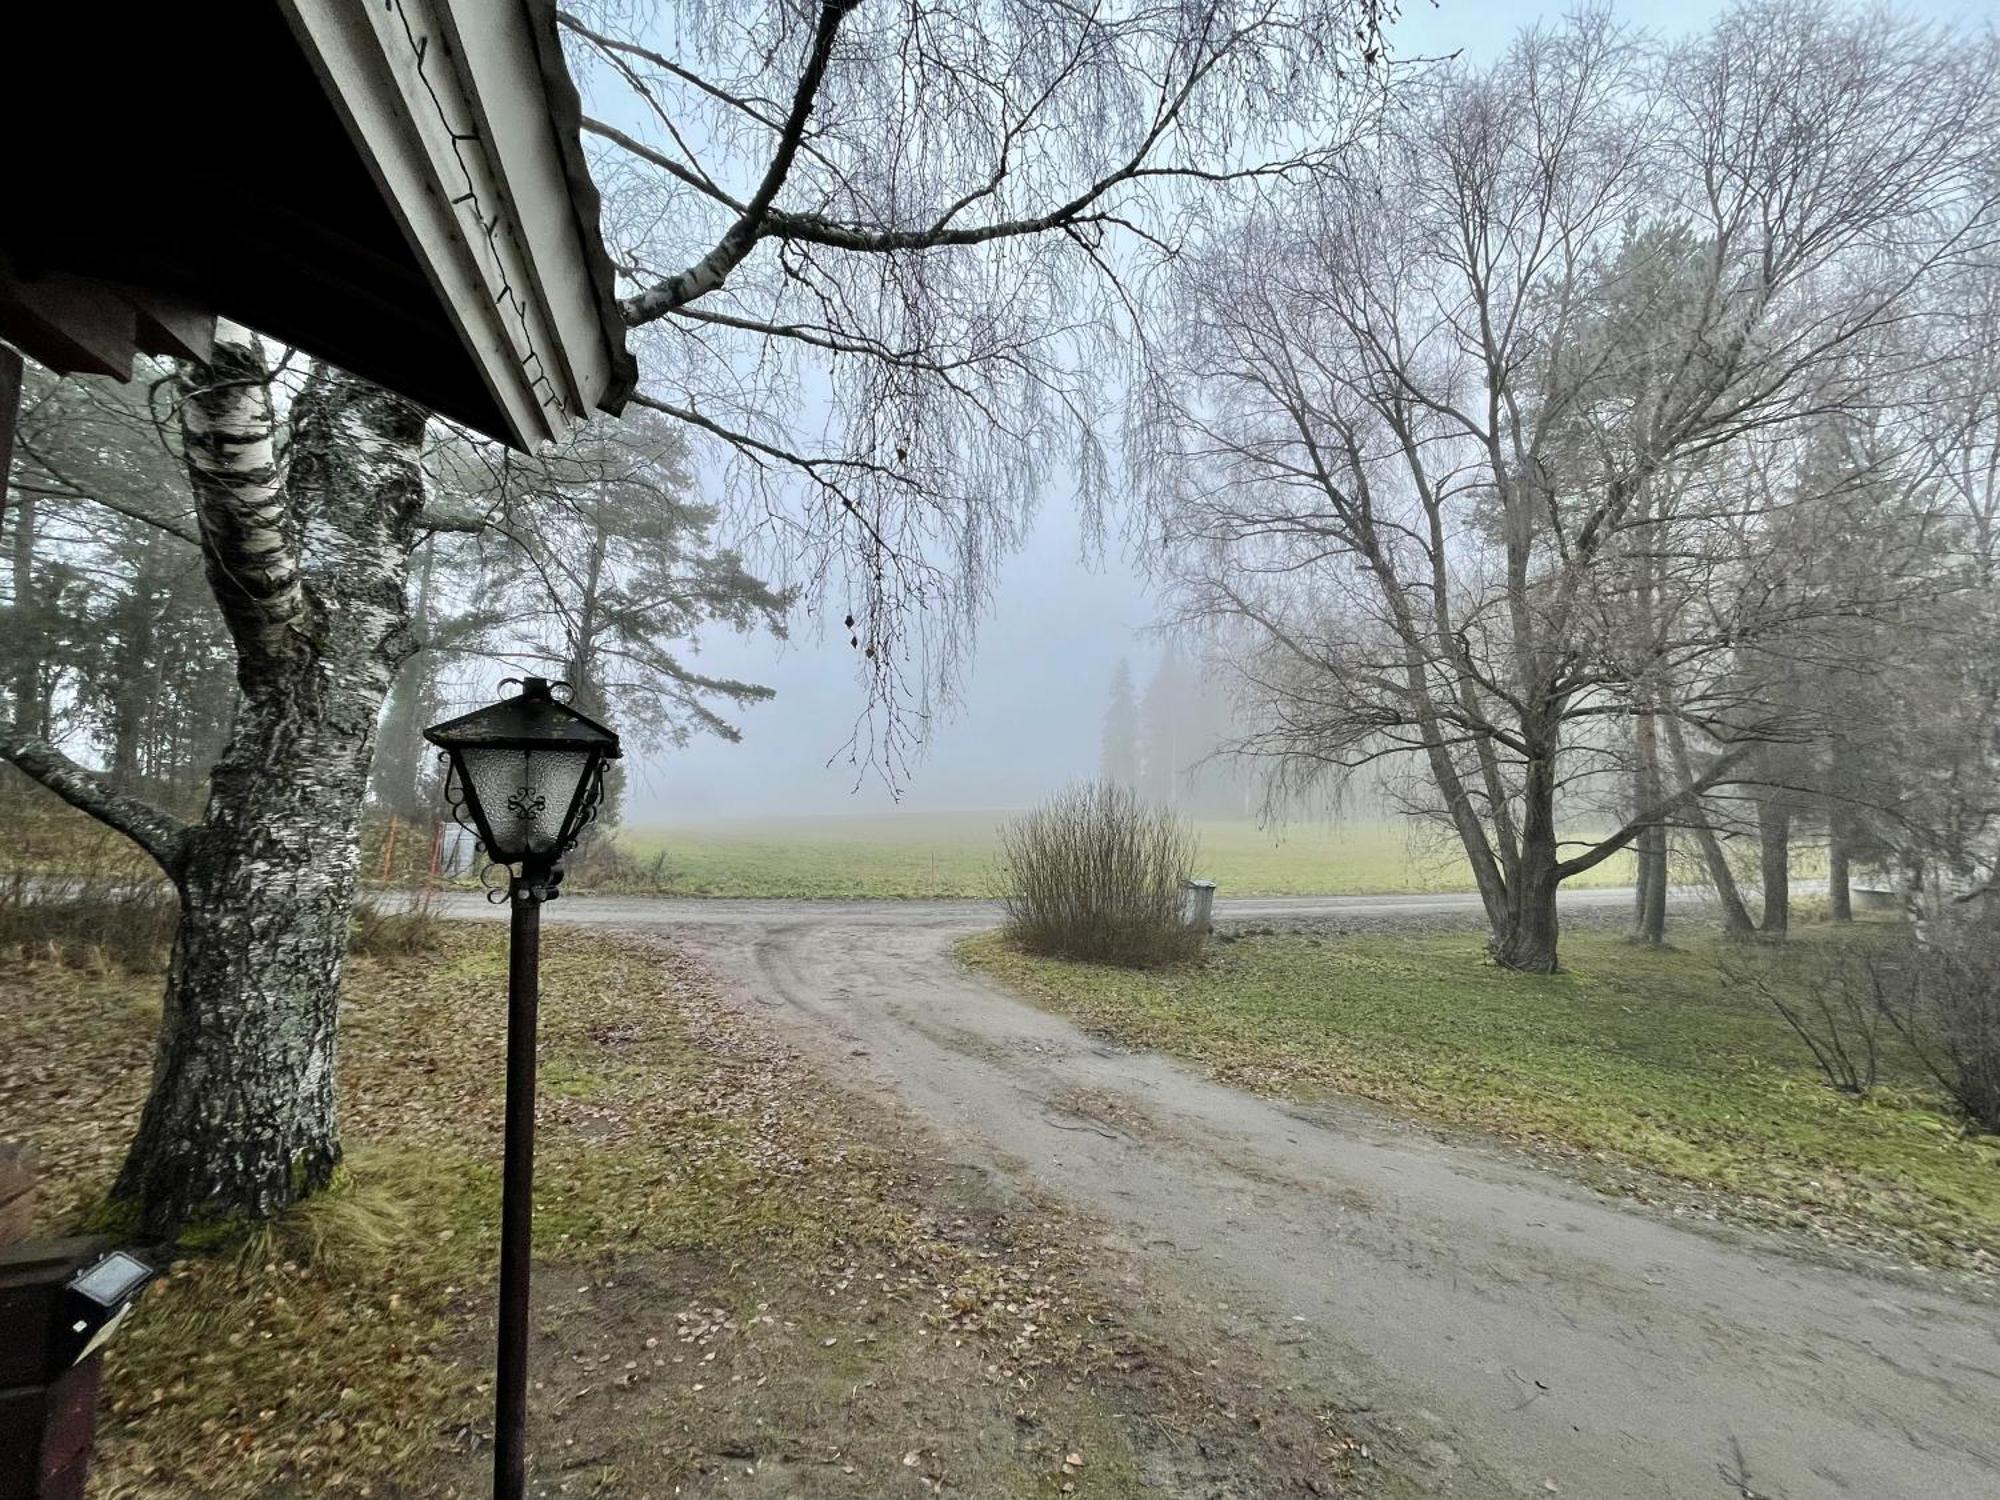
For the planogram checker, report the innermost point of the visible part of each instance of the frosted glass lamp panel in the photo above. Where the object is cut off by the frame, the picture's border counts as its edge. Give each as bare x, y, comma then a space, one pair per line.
525, 795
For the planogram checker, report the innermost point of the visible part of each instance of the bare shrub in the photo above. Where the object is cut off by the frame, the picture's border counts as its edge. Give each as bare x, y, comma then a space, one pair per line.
1096, 874
1938, 995
1943, 997
396, 928
1828, 995
89, 921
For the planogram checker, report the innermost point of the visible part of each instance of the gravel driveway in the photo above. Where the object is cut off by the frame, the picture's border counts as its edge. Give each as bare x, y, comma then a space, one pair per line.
1491, 1328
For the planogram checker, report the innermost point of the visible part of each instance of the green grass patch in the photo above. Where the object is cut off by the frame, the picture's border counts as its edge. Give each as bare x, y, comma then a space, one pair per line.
1633, 1058
915, 856
322, 1350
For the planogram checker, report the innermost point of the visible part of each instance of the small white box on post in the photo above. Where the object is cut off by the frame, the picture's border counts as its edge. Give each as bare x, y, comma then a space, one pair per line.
1198, 904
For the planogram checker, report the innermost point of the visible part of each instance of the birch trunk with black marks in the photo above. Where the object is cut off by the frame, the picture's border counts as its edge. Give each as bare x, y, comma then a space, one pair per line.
310, 577
308, 570
401, 753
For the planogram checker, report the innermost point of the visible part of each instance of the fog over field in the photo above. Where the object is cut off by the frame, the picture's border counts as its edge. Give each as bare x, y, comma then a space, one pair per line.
1270, 731
1031, 718
1031, 712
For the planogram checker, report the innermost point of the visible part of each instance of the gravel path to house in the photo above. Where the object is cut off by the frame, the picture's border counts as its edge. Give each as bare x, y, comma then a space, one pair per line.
1495, 1329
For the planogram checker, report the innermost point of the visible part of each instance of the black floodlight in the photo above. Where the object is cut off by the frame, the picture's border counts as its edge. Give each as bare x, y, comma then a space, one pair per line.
111, 1282
99, 1295
528, 772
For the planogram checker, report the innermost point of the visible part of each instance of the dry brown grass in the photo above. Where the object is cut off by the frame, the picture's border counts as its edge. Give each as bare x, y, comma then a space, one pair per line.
747, 1282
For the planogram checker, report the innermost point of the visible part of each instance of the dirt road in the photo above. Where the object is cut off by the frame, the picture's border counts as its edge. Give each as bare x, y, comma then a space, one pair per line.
1492, 1329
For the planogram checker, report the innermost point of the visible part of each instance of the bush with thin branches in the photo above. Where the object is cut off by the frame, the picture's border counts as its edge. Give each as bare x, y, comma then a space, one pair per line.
1943, 998
1830, 995
1096, 874
1936, 993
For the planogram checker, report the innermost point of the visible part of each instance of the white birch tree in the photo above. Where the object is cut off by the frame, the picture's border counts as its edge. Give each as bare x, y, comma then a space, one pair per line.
933, 232
305, 554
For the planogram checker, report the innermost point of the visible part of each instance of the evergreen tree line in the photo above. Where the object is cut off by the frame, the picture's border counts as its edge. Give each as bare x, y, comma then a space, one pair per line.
593, 565
1171, 744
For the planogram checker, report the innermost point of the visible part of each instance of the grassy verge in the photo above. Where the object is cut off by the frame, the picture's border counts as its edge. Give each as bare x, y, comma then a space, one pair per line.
1641, 1066
949, 855
745, 1284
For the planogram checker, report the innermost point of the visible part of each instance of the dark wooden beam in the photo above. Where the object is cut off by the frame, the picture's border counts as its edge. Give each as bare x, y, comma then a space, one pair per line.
10, 412
71, 325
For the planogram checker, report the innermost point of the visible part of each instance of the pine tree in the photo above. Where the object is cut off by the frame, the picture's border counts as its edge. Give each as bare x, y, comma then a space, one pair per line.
612, 570
1167, 747
1119, 762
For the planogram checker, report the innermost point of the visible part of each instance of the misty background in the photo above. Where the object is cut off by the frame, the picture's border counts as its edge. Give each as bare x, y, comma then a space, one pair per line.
1035, 689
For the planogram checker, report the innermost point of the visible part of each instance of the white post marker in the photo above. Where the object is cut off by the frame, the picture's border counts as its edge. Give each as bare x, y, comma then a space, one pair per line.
1200, 904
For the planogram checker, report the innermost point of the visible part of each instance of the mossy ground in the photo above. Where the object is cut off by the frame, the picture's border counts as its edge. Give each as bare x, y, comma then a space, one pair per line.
1647, 1067
746, 1283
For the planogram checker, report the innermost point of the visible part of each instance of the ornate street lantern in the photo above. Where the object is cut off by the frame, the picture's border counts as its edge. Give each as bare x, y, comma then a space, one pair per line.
525, 774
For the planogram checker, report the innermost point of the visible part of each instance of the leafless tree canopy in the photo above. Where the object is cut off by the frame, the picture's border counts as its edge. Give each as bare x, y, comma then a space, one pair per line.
1492, 435
895, 261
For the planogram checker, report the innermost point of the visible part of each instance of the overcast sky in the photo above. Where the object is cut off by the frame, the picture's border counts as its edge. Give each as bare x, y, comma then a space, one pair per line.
1034, 696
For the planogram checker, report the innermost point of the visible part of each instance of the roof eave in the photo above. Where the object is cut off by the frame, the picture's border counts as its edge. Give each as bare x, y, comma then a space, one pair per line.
566, 115
473, 143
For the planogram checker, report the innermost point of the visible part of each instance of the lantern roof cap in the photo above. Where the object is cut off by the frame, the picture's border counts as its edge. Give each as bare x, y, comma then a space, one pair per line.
534, 719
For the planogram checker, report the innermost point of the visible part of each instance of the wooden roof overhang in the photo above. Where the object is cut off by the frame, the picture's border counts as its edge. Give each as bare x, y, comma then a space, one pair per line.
396, 186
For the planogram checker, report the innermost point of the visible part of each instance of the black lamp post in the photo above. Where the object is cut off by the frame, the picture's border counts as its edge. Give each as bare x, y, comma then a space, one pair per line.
525, 775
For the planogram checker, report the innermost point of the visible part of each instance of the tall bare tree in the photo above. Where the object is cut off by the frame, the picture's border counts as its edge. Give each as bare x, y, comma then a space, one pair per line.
1436, 411
1933, 792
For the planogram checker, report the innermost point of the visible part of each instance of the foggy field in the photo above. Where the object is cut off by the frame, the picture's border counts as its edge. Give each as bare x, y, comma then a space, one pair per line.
921, 855
876, 501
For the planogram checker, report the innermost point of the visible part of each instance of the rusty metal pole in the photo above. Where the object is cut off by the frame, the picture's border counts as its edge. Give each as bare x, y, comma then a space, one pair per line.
517, 1191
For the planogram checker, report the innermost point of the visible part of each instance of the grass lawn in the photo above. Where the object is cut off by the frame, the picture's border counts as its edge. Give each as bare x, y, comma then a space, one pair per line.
918, 855
1643, 1067
747, 1282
